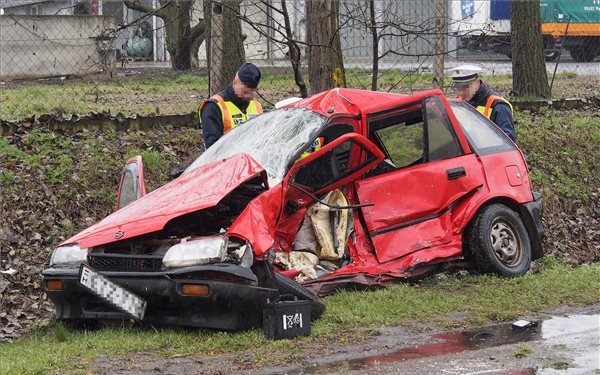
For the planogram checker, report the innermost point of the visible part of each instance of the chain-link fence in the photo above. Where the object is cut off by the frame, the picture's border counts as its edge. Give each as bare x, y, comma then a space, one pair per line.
120, 56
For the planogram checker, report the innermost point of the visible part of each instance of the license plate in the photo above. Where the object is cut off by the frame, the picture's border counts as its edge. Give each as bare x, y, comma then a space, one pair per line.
112, 293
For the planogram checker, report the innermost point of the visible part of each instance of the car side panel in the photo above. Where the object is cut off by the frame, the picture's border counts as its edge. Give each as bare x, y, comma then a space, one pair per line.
412, 208
507, 175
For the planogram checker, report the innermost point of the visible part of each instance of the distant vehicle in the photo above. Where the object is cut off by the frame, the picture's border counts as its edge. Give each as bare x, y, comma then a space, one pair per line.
481, 25
573, 25
344, 188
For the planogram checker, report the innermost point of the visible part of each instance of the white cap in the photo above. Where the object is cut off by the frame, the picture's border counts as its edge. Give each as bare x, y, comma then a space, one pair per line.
464, 74
288, 101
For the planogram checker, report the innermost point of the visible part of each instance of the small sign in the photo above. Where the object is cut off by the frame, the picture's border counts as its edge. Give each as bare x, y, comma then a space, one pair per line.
292, 321
467, 8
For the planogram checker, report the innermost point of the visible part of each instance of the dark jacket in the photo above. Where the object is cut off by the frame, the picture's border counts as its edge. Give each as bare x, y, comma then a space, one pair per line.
211, 119
501, 113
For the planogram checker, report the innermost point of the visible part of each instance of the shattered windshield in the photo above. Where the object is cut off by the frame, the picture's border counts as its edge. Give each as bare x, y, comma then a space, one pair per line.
272, 139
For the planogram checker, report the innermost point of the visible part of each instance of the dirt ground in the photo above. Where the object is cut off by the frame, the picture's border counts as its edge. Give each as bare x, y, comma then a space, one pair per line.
497, 349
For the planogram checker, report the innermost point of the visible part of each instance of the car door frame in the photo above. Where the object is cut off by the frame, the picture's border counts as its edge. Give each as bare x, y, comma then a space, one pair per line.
425, 219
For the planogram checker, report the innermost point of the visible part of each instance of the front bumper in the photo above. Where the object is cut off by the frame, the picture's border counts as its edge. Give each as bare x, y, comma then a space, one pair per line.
532, 213
233, 303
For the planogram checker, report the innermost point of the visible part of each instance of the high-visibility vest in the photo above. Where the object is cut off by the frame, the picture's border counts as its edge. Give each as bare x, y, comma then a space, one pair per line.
487, 109
314, 146
231, 115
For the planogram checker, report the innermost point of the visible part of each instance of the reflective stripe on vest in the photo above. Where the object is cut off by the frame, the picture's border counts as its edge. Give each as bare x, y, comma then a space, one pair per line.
486, 111
314, 146
230, 114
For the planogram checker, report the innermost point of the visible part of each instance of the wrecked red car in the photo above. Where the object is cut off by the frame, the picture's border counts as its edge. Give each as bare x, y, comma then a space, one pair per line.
344, 188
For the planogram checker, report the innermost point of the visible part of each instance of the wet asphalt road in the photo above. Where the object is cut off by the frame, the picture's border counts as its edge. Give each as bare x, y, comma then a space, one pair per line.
565, 345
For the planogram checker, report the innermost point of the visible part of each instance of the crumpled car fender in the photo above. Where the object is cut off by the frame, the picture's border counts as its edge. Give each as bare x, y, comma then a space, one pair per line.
259, 220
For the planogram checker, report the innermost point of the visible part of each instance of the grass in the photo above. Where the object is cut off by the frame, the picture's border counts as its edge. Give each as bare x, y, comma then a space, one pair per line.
128, 97
570, 167
349, 316
183, 93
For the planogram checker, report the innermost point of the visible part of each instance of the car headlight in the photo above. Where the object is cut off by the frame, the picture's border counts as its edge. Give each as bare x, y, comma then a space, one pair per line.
68, 255
194, 252
242, 254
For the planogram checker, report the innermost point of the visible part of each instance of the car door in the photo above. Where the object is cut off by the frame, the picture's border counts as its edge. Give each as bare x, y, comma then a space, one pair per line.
409, 204
334, 165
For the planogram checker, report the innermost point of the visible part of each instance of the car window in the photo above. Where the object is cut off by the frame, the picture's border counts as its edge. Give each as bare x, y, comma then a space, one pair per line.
128, 188
442, 141
483, 135
131, 185
274, 139
332, 166
403, 142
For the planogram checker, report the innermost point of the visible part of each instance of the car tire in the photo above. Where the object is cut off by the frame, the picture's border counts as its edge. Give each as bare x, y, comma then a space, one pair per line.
551, 56
289, 286
582, 53
498, 242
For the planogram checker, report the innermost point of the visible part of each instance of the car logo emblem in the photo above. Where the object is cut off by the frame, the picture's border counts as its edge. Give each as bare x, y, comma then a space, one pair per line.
119, 234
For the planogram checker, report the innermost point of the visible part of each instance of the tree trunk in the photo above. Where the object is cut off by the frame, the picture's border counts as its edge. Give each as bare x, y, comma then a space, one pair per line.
181, 39
375, 47
528, 63
226, 50
178, 30
325, 62
440, 44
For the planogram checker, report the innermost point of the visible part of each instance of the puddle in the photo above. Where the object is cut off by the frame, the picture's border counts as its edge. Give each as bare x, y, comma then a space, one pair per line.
571, 333
577, 332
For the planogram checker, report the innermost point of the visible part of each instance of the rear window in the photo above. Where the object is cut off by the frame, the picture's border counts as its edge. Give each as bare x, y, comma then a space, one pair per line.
483, 135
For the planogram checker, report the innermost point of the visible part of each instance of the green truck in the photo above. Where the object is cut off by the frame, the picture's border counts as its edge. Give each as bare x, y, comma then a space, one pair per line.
573, 25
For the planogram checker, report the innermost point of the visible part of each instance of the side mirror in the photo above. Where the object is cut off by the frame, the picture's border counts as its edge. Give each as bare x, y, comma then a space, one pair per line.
131, 185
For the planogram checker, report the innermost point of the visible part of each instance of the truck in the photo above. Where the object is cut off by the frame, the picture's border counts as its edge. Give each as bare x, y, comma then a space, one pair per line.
480, 25
573, 25
484, 25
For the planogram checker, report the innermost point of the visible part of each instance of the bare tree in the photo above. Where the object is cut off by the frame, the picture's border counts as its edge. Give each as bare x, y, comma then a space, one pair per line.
294, 51
375, 47
325, 64
440, 44
393, 30
277, 27
225, 42
528, 64
180, 35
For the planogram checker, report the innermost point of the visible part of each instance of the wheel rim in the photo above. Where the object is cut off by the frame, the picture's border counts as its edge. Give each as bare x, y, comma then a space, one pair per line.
506, 242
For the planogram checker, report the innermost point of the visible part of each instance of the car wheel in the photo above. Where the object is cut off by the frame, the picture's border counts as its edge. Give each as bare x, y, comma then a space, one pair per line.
582, 54
498, 242
551, 56
289, 286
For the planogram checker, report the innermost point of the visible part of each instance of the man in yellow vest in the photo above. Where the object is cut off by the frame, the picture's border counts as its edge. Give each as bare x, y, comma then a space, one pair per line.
232, 106
469, 87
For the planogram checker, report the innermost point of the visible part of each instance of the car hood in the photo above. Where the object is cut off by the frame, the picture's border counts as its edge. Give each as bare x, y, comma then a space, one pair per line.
202, 188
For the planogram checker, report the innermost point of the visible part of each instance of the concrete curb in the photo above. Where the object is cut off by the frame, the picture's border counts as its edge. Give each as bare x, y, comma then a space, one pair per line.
100, 121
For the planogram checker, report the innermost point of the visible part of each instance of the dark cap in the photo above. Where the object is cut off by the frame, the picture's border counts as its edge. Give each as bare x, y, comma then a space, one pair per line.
249, 75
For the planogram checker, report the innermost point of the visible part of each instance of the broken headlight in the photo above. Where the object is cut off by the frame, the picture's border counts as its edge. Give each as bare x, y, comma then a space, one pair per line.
207, 250
194, 252
68, 255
